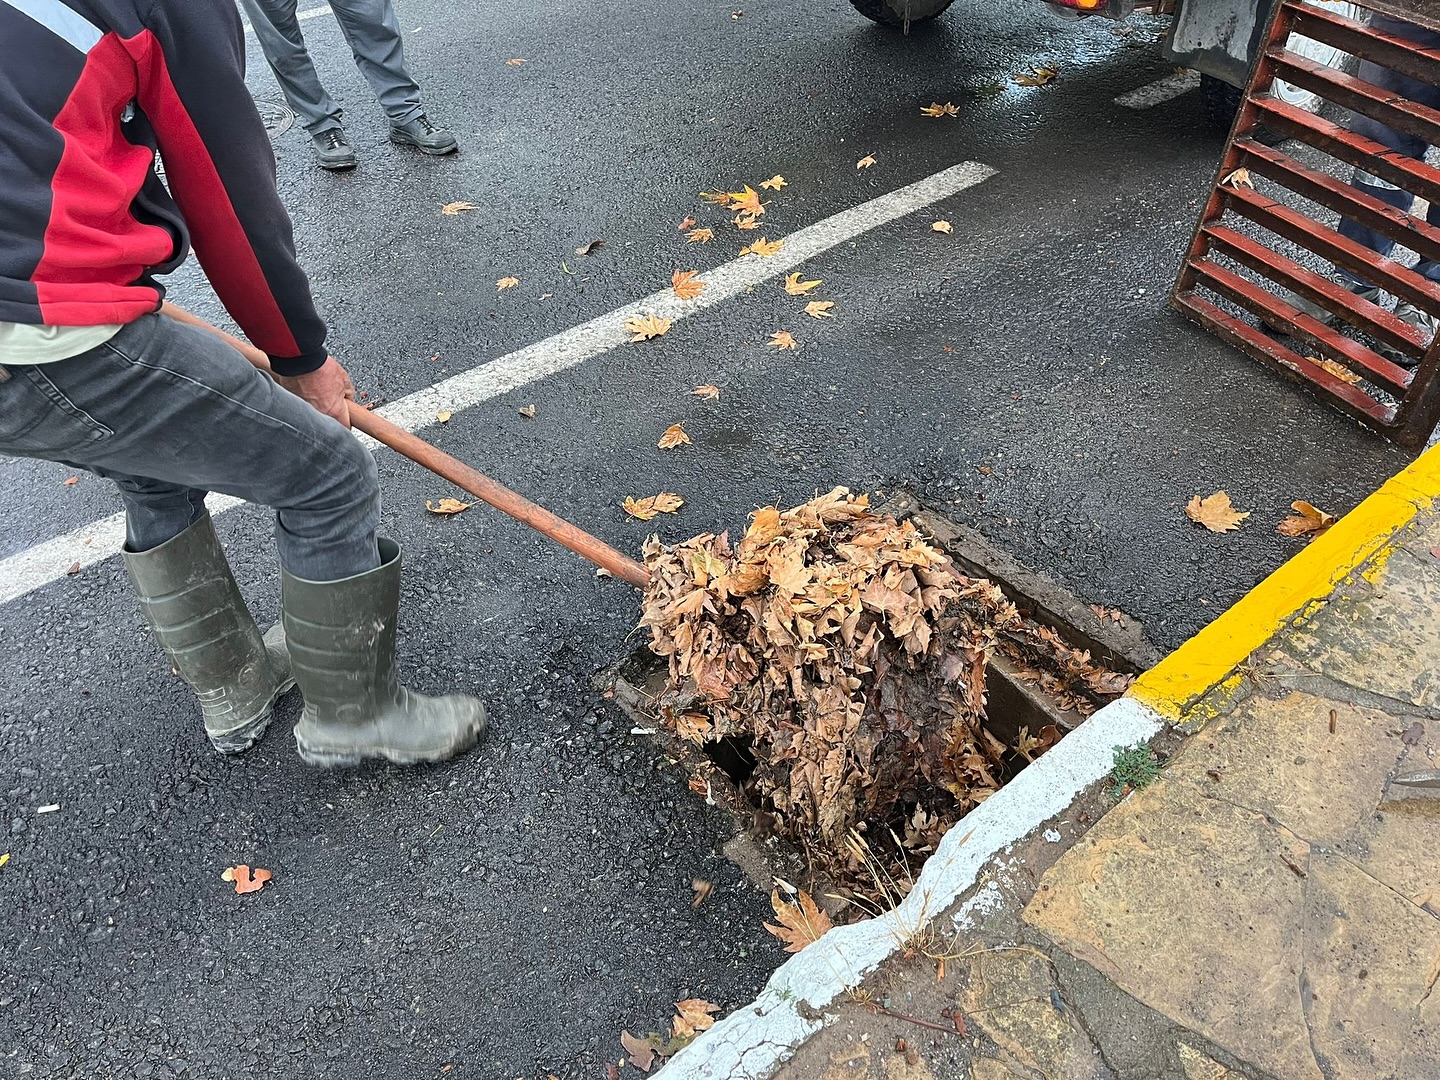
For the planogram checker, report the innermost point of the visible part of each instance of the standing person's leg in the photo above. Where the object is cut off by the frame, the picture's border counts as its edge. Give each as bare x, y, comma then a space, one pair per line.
373, 32
278, 32
176, 406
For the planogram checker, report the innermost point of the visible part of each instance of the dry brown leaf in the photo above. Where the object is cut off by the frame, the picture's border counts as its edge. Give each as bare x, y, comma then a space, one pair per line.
936, 109
667, 502
775, 183
795, 287
642, 1054
865, 162
800, 923
762, 247
740, 221
782, 339
443, 416
1037, 76
693, 1015
586, 249
820, 309
699, 236
747, 201
453, 208
687, 223
1215, 512
506, 283
74, 569
702, 889
686, 284
245, 879
1239, 178
1341, 372
1309, 520
718, 198
643, 327
527, 411
707, 390
70, 481
514, 61
942, 226
447, 506
674, 436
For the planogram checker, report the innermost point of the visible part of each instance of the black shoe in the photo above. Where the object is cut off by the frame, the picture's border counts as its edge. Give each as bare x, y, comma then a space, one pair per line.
333, 150
424, 136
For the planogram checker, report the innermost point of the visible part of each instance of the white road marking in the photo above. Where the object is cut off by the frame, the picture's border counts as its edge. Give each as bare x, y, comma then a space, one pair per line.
50, 561
308, 13
1171, 86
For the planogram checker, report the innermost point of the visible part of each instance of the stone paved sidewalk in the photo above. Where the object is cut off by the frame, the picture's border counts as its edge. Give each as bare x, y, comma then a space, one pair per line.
1269, 908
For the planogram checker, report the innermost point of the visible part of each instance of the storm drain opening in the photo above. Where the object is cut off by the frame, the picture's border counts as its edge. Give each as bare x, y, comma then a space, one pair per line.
849, 682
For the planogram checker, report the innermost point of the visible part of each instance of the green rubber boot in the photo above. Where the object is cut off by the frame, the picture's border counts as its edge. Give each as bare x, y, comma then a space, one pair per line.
191, 601
341, 636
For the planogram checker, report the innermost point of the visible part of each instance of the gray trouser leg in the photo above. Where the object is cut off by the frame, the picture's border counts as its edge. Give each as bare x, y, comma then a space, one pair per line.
371, 28
278, 33
170, 412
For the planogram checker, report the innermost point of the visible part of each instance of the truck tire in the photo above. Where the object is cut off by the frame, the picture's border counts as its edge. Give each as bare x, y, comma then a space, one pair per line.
900, 12
1221, 101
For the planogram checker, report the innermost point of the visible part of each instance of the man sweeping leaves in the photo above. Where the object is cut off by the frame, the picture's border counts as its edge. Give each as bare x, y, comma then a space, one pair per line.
91, 374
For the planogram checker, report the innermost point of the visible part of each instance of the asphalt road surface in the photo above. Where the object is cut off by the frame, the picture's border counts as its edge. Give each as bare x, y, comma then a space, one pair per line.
507, 915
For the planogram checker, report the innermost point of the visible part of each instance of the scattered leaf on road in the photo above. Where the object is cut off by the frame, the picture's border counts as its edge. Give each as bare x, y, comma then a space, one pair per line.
762, 247
74, 569
795, 287
586, 249
800, 923
708, 390
453, 208
644, 327
702, 887
642, 1054
936, 109
775, 183
865, 162
693, 1015
1309, 520
1037, 76
1239, 178
674, 436
1215, 512
820, 309
688, 223
700, 236
942, 226
506, 283
686, 284
447, 506
6, 858
515, 61
1114, 615
718, 198
667, 502
740, 221
747, 201
245, 879
782, 339
1340, 371
71, 481
443, 416
527, 411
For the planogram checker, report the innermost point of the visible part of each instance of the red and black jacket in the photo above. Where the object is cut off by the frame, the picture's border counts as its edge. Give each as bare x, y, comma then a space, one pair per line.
89, 90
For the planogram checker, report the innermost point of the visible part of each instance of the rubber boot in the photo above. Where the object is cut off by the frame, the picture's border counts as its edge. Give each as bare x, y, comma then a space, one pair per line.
342, 647
191, 601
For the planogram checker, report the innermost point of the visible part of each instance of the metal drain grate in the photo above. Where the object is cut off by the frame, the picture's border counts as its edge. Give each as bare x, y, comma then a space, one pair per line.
1269, 230
278, 118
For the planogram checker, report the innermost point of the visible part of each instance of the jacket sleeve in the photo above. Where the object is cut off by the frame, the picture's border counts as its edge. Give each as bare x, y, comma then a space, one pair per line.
221, 170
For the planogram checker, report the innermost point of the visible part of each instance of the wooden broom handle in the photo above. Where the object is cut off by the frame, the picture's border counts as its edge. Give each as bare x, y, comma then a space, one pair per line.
458, 473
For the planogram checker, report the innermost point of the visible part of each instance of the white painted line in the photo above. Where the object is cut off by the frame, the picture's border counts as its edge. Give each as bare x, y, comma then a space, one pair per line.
756, 1039
308, 13
1172, 86
90, 544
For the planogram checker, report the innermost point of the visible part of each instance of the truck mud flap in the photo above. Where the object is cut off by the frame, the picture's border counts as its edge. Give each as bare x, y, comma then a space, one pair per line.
1258, 269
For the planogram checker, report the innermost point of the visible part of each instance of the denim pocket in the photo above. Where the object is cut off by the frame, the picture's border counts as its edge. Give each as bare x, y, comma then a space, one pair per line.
38, 420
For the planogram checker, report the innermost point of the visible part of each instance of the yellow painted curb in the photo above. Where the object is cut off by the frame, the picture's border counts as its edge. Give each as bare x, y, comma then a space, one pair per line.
1364, 535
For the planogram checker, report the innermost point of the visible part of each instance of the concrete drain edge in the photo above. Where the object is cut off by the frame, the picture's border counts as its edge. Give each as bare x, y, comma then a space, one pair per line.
755, 1039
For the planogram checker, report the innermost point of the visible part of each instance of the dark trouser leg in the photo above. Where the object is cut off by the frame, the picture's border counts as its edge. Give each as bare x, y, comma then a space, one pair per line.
169, 412
373, 32
278, 32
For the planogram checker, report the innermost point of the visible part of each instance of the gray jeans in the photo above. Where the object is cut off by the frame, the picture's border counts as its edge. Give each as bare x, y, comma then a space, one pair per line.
170, 412
373, 33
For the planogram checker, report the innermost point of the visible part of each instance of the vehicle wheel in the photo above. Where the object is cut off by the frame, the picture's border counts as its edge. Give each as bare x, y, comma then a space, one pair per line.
1321, 53
900, 12
1221, 101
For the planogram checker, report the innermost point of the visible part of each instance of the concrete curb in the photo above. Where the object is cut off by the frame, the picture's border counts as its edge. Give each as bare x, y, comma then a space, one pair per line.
753, 1041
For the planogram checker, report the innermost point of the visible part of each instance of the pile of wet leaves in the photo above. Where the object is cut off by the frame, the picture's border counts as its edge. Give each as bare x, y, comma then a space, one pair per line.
845, 649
